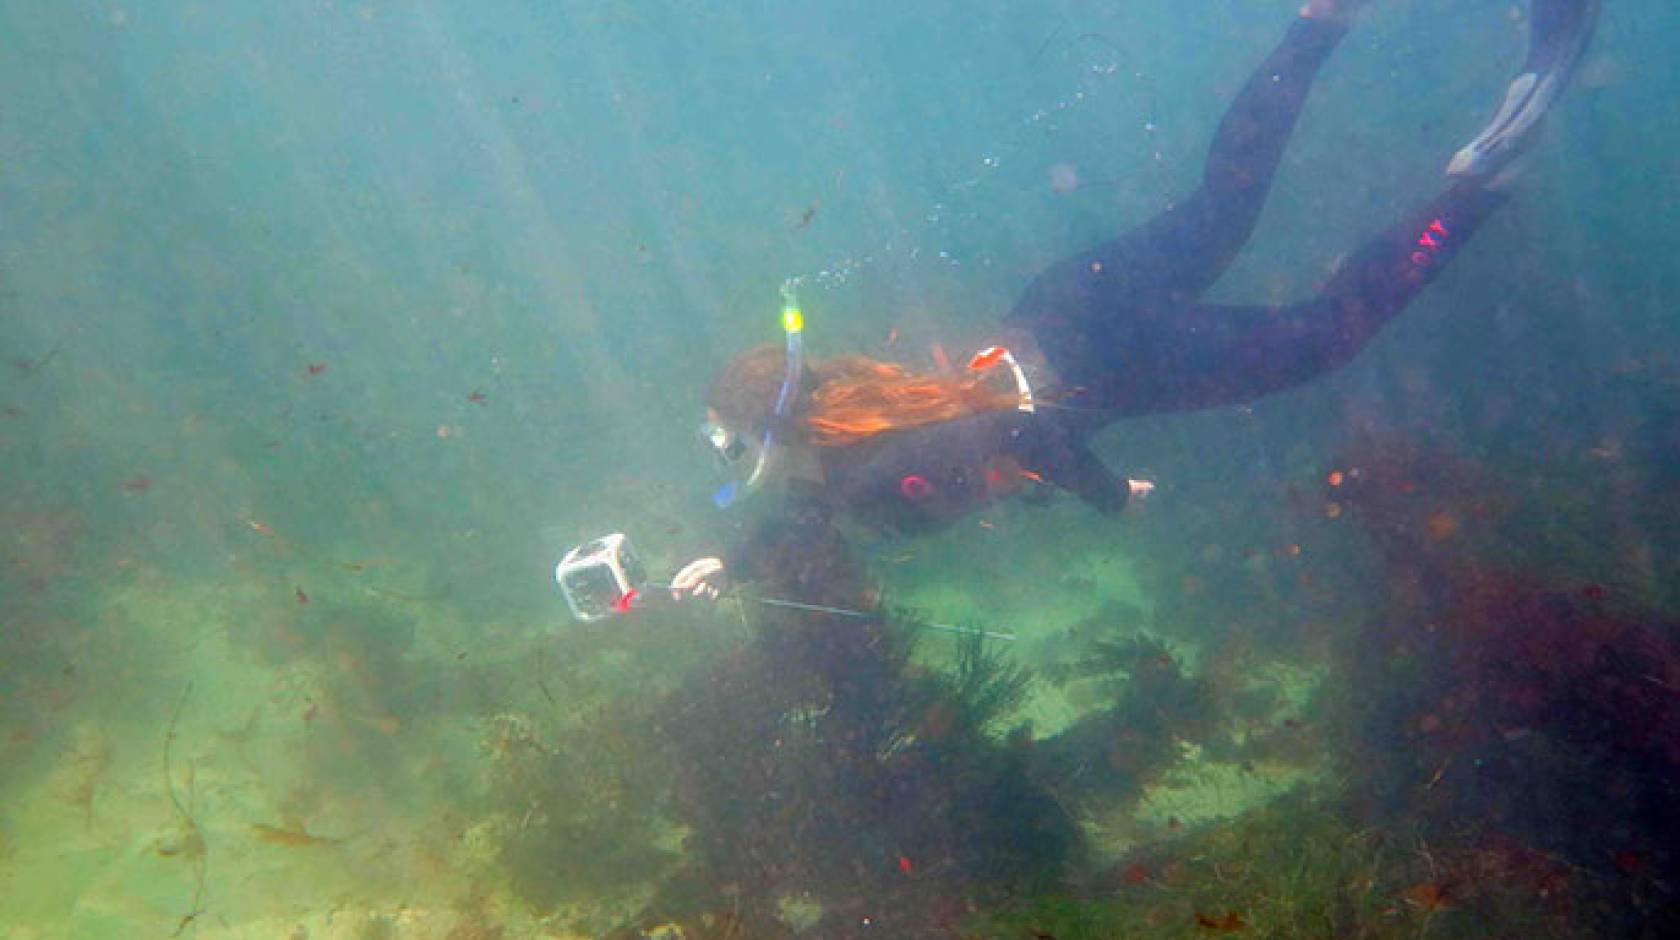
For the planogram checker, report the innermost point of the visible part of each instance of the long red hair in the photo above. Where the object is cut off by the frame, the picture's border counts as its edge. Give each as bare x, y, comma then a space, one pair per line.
850, 398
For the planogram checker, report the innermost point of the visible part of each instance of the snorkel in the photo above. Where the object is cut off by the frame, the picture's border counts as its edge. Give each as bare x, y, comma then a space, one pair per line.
793, 327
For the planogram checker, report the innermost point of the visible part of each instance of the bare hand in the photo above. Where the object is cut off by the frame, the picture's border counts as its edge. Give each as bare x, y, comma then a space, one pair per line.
692, 581
1138, 489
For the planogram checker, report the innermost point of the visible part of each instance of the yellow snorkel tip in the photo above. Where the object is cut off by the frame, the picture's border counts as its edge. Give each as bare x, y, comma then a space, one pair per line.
792, 320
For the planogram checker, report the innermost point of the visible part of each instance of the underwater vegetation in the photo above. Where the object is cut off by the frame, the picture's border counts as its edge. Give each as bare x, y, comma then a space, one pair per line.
42, 628
1512, 709
829, 780
1503, 747
856, 784
1501, 723
834, 781
1502, 737
580, 818
1295, 868
1112, 752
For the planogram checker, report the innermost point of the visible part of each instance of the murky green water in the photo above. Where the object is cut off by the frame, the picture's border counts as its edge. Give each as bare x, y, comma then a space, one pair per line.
329, 326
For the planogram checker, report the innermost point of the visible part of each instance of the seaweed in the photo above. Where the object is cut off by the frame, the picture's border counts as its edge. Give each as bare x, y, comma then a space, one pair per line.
830, 764
1300, 868
188, 841
1111, 753
1495, 691
985, 685
292, 834
89, 765
583, 806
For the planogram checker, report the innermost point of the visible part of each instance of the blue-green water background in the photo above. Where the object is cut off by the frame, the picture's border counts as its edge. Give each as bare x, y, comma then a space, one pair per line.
580, 211
255, 257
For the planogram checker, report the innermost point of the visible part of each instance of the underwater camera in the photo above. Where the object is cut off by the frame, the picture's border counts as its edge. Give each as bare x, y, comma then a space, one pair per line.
604, 577
600, 577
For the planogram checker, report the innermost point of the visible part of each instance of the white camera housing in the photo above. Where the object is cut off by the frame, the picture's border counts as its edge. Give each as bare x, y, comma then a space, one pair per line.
599, 577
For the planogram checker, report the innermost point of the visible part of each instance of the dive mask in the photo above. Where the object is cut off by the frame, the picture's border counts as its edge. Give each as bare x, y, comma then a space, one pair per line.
726, 444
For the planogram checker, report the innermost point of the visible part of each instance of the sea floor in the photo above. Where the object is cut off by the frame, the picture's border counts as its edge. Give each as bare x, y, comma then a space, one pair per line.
244, 758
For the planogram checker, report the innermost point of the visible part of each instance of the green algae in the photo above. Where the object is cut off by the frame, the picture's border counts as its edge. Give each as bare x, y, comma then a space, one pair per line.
1294, 869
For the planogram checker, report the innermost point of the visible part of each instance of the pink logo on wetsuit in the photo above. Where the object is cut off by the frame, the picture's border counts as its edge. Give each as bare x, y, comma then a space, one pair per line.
1428, 243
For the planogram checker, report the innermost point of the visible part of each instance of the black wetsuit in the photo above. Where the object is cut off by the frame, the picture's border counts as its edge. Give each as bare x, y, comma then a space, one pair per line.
1122, 322
1123, 330
923, 479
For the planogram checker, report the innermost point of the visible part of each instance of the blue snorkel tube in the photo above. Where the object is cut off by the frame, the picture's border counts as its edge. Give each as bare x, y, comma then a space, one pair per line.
793, 327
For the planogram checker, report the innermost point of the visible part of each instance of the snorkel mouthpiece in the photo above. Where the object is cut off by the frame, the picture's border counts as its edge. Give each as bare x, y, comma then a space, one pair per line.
793, 327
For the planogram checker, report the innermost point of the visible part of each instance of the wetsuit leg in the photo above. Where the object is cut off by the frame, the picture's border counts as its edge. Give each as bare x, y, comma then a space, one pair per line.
1204, 355
1182, 251
1186, 248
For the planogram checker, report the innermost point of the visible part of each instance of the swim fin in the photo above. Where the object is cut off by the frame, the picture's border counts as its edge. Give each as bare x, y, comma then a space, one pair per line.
1559, 31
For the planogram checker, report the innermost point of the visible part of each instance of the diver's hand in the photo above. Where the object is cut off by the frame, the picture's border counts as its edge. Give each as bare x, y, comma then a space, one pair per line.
694, 579
1138, 489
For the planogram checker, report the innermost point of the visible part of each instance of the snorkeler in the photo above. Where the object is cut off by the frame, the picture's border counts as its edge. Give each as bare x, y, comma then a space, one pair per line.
1116, 331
